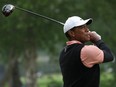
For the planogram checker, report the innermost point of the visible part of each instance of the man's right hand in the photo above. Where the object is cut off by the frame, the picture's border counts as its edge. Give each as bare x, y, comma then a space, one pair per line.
94, 37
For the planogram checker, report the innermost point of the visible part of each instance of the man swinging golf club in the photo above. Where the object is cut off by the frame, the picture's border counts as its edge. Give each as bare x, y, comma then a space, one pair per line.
79, 63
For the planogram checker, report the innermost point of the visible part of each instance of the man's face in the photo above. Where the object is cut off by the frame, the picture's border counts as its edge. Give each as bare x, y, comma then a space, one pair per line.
80, 33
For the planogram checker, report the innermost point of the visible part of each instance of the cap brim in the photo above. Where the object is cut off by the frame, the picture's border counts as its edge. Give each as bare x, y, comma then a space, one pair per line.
89, 21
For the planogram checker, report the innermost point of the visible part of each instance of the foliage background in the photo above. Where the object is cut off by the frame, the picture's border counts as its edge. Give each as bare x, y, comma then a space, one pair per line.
30, 45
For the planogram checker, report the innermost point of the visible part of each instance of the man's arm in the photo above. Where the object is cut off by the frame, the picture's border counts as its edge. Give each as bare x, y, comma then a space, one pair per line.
108, 56
96, 39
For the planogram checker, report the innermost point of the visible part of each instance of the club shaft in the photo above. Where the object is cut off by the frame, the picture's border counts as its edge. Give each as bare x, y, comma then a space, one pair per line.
39, 15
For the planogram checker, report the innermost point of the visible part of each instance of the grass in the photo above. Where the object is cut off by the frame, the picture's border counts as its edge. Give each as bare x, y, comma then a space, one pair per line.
49, 80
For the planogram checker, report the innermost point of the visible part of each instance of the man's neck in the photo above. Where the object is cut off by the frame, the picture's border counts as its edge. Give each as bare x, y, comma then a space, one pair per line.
73, 42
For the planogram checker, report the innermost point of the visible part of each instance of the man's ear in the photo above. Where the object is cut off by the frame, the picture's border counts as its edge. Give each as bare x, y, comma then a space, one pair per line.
71, 33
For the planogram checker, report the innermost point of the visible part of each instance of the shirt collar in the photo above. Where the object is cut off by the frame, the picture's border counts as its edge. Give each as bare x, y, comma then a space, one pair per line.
73, 42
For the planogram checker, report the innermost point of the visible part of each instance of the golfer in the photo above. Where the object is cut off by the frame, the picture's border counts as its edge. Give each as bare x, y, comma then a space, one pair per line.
79, 62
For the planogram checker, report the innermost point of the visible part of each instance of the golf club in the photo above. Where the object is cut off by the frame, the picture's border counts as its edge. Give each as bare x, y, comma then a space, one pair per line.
9, 8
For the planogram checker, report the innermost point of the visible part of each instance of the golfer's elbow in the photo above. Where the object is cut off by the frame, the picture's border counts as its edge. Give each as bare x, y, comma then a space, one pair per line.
111, 57
108, 57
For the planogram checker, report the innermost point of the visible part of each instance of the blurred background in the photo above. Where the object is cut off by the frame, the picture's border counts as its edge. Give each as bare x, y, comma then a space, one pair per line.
30, 45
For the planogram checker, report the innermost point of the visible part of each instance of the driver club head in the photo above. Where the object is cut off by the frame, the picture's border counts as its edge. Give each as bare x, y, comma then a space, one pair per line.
7, 9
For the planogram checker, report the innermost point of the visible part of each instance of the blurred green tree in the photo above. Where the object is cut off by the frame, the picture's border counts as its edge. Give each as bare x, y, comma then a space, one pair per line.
23, 34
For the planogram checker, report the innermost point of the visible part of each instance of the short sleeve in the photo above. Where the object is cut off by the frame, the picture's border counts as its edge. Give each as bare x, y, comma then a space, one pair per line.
91, 55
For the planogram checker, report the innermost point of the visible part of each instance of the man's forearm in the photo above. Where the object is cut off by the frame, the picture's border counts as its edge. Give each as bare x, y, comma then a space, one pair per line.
108, 56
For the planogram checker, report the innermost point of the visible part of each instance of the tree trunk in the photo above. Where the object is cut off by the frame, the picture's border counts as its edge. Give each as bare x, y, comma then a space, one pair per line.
30, 58
30, 68
15, 75
8, 72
